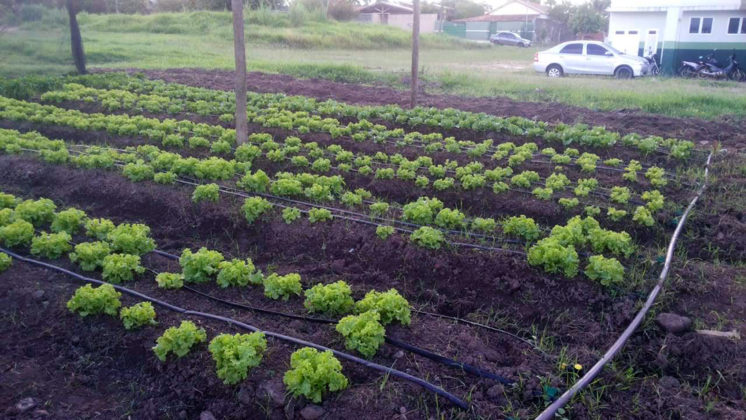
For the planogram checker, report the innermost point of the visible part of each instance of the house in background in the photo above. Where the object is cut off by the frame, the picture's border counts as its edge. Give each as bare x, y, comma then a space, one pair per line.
526, 18
398, 15
680, 30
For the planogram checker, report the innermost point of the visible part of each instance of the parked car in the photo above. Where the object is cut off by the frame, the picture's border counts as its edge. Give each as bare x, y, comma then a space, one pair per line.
509, 38
589, 57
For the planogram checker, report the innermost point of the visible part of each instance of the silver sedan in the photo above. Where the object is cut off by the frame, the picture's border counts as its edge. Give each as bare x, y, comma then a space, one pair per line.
589, 57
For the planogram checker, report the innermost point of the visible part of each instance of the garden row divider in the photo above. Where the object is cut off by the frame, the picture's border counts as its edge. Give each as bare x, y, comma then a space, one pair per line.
387, 370
615, 348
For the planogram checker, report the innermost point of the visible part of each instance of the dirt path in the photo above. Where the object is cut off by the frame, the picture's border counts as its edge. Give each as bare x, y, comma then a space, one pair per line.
731, 133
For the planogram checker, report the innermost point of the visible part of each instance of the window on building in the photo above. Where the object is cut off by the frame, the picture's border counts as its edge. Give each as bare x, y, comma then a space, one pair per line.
694, 26
593, 49
572, 49
737, 25
699, 25
733, 25
619, 32
706, 26
632, 32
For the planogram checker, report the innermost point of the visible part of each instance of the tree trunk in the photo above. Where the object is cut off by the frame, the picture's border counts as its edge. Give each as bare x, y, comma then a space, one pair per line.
242, 128
76, 42
415, 50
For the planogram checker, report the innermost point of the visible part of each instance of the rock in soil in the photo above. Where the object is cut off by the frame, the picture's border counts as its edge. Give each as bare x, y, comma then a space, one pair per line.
245, 395
271, 391
25, 404
669, 382
206, 415
312, 412
38, 295
673, 323
496, 392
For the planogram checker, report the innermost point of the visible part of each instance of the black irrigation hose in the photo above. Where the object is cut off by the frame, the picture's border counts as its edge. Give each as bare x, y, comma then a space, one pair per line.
352, 219
417, 350
422, 352
397, 373
235, 191
487, 327
231, 190
321, 320
449, 362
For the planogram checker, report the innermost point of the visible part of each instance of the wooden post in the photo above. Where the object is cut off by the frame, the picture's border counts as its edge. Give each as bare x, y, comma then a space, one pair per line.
415, 50
242, 128
76, 41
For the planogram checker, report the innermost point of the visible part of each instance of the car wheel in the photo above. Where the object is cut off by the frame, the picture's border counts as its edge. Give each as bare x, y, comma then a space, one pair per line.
623, 73
554, 70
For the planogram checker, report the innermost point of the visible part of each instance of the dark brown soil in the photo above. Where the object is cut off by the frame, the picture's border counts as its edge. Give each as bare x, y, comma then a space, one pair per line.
578, 313
730, 133
84, 368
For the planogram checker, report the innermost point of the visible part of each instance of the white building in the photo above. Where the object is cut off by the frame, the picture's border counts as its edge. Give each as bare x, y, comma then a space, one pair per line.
396, 14
678, 29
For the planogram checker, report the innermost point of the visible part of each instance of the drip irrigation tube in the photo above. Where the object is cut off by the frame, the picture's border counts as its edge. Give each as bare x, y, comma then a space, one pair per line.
234, 191
422, 352
417, 350
489, 328
394, 372
421, 312
367, 222
550, 411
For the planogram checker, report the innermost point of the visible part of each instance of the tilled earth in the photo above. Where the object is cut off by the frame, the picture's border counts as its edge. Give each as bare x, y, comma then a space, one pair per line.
54, 364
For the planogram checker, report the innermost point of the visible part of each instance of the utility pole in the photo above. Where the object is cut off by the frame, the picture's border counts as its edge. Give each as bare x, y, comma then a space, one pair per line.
242, 125
415, 49
76, 41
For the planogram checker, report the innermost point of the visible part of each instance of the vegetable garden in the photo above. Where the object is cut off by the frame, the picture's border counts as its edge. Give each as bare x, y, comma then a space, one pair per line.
352, 259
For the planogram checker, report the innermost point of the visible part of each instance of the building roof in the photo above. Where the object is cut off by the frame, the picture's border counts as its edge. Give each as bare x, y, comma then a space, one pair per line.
384, 7
538, 8
496, 15
663, 5
497, 18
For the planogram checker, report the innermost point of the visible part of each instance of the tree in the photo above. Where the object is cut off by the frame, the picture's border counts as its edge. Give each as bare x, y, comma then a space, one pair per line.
460, 9
239, 47
76, 41
585, 19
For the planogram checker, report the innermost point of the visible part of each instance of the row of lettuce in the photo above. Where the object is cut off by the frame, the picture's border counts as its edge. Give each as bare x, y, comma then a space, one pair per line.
116, 250
430, 211
305, 114
312, 156
430, 144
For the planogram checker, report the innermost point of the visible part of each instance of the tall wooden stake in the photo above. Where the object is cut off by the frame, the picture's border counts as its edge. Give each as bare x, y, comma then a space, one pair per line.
415, 50
76, 41
242, 127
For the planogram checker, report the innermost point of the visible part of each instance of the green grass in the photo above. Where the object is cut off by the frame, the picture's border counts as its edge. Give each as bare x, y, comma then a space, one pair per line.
346, 52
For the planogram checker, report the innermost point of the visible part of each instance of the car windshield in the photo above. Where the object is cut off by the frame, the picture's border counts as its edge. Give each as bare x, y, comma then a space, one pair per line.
612, 49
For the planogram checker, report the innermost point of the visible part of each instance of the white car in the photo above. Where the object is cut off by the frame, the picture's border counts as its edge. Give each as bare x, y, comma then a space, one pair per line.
589, 57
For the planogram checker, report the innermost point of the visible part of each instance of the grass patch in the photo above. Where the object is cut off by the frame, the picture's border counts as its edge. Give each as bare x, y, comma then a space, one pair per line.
262, 26
346, 52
